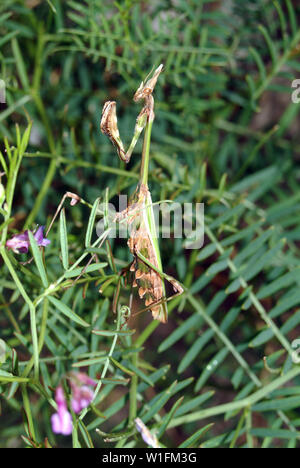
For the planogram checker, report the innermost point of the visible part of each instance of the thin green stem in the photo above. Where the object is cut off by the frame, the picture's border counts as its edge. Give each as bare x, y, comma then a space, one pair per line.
106, 365
240, 404
238, 429
27, 409
257, 304
50, 137
31, 310
38, 66
146, 153
249, 427
41, 337
197, 306
133, 391
42, 193
35, 93
10, 314
11, 184
278, 64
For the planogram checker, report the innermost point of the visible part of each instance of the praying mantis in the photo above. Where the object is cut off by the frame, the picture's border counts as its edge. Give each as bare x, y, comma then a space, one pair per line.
143, 243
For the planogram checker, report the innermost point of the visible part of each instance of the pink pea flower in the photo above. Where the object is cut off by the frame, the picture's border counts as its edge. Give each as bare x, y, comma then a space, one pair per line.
81, 398
82, 394
62, 420
20, 242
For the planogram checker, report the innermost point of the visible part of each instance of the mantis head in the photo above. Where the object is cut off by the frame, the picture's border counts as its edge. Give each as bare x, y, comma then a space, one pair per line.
146, 87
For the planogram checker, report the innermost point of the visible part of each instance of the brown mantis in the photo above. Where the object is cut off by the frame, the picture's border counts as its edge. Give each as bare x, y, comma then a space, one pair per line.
143, 243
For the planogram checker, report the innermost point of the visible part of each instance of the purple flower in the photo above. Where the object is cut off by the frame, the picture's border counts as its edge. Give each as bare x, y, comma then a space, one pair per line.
81, 398
20, 242
62, 420
82, 394
85, 379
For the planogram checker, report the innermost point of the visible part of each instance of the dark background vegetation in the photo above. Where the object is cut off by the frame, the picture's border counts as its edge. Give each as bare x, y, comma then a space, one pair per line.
226, 133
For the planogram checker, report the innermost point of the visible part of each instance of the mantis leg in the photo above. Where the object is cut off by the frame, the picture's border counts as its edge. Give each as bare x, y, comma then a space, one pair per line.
164, 300
109, 126
176, 285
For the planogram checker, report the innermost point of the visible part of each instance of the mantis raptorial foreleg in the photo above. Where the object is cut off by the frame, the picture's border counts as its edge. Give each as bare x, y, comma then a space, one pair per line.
109, 122
109, 127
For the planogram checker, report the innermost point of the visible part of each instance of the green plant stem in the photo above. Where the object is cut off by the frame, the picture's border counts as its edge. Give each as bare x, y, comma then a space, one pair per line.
27, 409
35, 93
249, 427
133, 392
146, 153
31, 310
279, 63
51, 169
201, 310
50, 137
54, 287
238, 429
107, 362
41, 337
38, 68
10, 189
9, 314
240, 404
257, 304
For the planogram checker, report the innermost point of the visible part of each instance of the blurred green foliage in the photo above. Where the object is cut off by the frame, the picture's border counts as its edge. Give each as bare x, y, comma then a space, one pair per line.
226, 133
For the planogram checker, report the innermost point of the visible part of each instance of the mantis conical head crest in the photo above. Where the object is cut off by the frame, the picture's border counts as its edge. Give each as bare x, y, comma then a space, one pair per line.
146, 87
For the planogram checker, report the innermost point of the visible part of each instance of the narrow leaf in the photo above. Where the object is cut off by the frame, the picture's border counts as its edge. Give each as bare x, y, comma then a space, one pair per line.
68, 312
